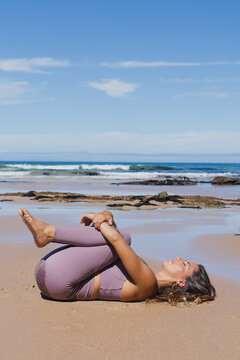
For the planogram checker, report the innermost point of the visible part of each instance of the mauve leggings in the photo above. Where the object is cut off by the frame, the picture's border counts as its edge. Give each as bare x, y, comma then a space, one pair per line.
67, 273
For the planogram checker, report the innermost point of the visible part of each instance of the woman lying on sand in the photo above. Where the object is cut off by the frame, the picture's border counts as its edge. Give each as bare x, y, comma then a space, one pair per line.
98, 263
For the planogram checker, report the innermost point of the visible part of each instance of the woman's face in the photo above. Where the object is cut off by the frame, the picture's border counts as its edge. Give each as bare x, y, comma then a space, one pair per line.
179, 269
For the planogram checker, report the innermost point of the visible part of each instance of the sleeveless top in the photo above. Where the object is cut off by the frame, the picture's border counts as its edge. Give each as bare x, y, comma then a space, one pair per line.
112, 279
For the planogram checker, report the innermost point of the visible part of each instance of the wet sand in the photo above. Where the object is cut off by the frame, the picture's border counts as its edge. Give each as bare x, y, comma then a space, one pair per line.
98, 186
34, 328
221, 245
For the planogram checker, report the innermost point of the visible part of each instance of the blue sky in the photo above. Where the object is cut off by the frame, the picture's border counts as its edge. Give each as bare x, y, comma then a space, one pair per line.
143, 77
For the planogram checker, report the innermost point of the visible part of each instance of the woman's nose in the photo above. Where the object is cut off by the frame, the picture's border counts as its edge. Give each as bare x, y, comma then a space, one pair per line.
178, 258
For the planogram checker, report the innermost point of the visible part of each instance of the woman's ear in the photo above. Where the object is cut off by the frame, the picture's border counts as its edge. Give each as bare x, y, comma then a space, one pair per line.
181, 283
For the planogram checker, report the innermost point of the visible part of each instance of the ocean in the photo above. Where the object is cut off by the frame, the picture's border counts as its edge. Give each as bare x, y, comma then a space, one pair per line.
102, 178
14, 170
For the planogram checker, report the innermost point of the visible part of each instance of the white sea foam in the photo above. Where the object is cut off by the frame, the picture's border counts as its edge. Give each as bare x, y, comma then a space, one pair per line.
124, 175
150, 175
196, 175
12, 174
105, 167
102, 167
43, 167
128, 175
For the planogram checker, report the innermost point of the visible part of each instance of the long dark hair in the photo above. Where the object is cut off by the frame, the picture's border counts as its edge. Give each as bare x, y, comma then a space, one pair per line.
197, 289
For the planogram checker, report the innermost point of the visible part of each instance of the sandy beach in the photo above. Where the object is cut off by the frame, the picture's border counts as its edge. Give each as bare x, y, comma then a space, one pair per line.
34, 328
130, 107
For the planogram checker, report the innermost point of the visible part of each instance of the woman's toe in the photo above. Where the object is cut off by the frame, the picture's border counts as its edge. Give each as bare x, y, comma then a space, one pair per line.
20, 212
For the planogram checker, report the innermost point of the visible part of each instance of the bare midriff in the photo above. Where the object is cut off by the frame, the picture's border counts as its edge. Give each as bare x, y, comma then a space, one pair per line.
96, 287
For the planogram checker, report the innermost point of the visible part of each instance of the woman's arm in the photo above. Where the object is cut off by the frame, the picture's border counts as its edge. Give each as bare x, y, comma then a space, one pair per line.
142, 276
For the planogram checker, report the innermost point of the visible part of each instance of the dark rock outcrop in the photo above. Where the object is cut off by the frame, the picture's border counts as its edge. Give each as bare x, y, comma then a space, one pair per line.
172, 182
162, 199
224, 180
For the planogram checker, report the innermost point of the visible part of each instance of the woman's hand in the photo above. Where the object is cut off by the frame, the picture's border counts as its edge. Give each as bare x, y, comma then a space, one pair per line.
97, 219
87, 218
105, 216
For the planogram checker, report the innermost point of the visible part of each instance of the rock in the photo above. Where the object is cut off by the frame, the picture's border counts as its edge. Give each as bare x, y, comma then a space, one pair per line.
162, 196
224, 180
90, 173
171, 182
113, 205
128, 202
29, 194
202, 202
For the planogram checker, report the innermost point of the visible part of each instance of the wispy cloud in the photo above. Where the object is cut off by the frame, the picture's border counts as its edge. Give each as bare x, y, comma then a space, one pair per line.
20, 92
193, 142
202, 93
34, 65
114, 88
180, 80
154, 64
204, 80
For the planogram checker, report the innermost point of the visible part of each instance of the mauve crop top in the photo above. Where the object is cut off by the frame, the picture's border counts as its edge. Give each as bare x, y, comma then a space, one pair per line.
112, 280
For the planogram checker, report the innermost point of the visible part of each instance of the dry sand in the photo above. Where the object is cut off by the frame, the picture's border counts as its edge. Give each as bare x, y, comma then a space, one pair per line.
35, 329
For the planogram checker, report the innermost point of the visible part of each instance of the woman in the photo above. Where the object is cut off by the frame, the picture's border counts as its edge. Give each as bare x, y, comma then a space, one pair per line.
98, 263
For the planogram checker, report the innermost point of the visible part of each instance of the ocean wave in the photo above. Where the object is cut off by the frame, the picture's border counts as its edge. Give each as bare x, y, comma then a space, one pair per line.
108, 171
43, 167
151, 175
34, 173
105, 167
58, 173
198, 175
128, 175
149, 167
67, 167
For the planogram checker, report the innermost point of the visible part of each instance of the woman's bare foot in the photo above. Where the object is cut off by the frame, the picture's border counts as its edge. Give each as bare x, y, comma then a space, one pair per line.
42, 232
